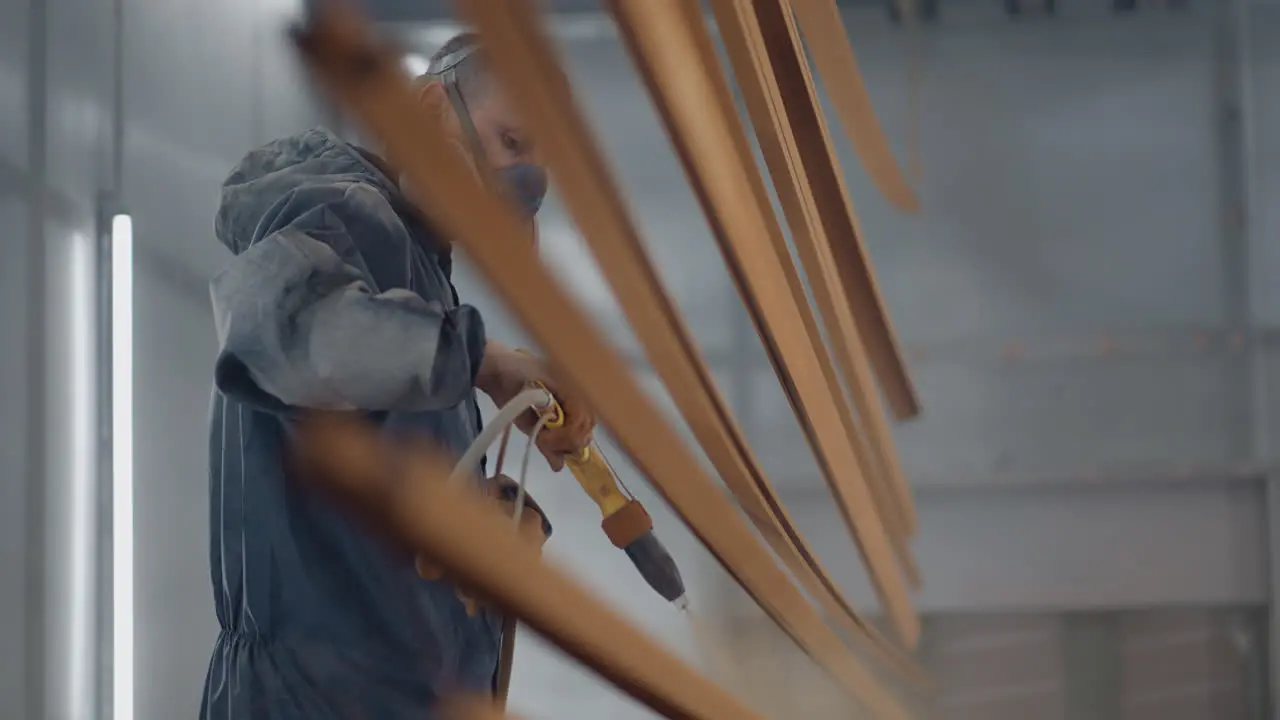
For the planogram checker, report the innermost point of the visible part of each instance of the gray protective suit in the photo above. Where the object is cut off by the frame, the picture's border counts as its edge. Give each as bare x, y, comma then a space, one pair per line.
339, 297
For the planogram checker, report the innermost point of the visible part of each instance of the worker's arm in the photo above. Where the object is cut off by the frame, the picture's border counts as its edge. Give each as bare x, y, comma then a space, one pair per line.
493, 375
299, 326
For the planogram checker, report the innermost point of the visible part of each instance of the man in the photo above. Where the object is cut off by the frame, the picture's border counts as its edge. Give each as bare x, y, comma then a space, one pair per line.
340, 298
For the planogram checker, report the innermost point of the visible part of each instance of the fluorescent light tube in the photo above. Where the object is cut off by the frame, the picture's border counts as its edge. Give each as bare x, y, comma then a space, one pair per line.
122, 466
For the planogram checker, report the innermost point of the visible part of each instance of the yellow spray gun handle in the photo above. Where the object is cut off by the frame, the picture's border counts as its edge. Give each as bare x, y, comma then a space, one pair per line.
589, 468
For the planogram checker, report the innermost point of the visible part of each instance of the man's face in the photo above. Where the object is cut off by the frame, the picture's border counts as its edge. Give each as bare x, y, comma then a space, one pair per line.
503, 136
504, 141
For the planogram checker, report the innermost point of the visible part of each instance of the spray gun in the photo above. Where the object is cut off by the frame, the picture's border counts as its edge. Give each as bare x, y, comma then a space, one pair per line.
626, 523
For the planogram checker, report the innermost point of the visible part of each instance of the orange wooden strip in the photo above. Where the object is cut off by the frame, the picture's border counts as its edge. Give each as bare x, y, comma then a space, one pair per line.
824, 32
676, 56
755, 74
407, 492
779, 97
803, 109
829, 43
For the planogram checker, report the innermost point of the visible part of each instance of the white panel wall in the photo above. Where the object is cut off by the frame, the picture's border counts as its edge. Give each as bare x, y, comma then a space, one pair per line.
201, 84
1070, 548
1189, 664
13, 465
176, 625
13, 358
211, 81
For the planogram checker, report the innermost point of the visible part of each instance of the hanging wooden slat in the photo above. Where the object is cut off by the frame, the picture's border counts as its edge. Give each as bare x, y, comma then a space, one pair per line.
406, 492
804, 118
768, 61
828, 42
853, 104
366, 80
752, 68
674, 51
535, 81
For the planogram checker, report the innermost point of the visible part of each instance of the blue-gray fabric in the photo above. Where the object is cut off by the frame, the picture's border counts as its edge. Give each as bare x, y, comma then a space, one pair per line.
339, 297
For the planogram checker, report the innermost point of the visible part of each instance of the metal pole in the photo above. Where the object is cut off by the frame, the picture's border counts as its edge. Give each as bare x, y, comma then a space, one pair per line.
105, 557
1228, 99
1240, 121
35, 680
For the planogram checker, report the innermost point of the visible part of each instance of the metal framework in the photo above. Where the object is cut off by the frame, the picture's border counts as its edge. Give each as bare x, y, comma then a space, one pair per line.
670, 42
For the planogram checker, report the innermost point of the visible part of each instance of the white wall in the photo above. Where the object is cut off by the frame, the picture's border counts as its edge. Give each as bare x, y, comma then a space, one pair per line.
1184, 663
176, 626
201, 83
211, 81
1065, 297
13, 361
13, 465
1070, 548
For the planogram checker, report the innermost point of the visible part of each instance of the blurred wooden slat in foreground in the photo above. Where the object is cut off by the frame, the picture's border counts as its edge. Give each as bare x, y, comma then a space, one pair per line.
475, 543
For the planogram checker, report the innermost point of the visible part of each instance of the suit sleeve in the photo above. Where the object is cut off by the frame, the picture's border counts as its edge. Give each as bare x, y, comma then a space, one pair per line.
299, 327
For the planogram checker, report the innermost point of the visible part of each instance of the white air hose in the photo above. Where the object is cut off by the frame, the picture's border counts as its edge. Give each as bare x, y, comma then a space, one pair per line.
521, 487
533, 398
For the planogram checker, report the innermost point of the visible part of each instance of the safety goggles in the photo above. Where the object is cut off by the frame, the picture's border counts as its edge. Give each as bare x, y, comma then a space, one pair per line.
445, 69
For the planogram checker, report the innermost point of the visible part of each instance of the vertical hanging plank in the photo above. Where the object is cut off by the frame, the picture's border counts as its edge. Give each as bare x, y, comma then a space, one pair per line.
804, 118
789, 121
535, 81
853, 103
763, 88
366, 80
825, 35
671, 45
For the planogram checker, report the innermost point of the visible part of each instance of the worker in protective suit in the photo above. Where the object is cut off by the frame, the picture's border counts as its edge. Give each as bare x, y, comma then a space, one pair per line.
339, 298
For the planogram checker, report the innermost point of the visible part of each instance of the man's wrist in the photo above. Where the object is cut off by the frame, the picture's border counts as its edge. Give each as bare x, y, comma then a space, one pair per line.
493, 369
489, 372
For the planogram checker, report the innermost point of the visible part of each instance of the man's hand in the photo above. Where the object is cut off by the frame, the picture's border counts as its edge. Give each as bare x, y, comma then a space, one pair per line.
506, 372
532, 530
